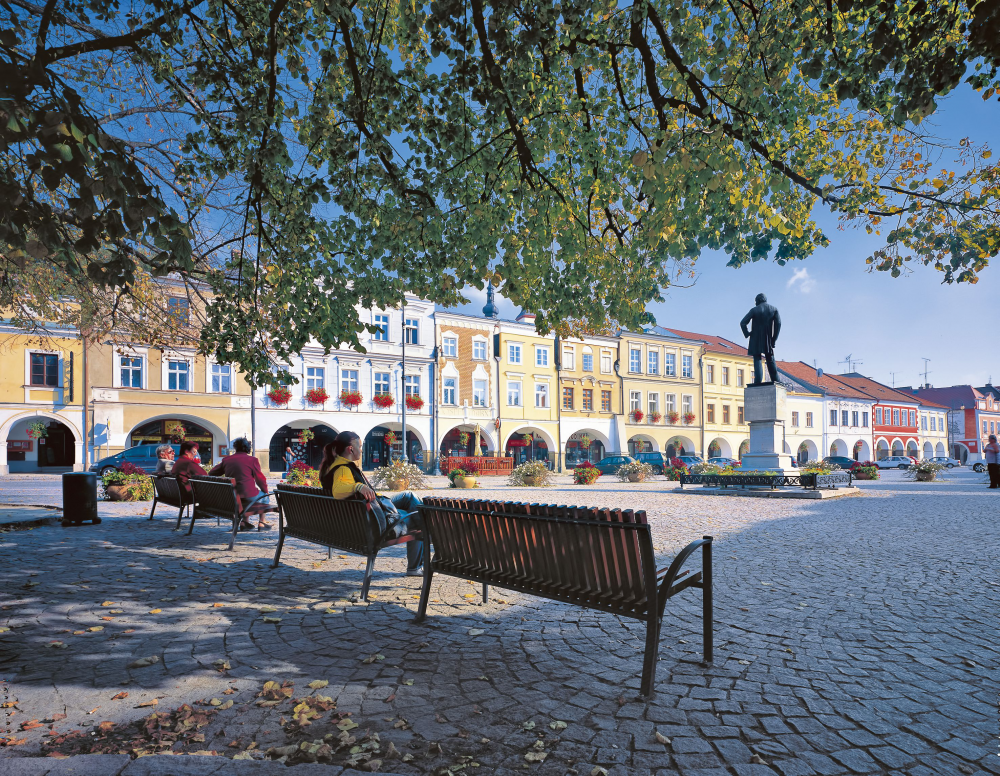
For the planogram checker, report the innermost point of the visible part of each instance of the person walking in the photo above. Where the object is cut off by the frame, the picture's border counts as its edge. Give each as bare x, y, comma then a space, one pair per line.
289, 460
992, 451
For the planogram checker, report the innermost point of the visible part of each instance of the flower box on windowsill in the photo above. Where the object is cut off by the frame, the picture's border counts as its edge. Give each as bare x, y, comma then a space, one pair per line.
414, 402
351, 399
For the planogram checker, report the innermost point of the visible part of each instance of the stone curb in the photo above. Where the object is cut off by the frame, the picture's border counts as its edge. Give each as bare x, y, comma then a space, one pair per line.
162, 765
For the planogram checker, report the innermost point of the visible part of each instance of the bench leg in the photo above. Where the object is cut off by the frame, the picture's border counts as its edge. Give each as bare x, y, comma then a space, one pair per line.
651, 655
236, 528
151, 511
281, 543
180, 516
425, 592
706, 600
486, 593
191, 528
329, 553
369, 570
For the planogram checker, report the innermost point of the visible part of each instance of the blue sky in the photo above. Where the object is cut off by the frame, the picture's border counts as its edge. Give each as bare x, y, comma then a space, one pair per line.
832, 307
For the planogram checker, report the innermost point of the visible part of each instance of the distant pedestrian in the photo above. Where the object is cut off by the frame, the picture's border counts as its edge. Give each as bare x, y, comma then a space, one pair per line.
289, 458
992, 451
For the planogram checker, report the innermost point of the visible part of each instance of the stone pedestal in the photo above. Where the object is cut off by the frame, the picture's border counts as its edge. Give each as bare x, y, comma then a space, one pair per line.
764, 410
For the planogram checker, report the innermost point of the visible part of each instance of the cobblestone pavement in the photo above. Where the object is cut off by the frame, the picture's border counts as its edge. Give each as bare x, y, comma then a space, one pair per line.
853, 636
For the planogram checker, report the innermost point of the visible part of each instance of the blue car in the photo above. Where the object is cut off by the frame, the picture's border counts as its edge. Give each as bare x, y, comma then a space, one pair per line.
610, 464
143, 456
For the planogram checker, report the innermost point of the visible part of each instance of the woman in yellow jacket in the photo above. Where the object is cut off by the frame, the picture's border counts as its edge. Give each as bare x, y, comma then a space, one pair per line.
341, 477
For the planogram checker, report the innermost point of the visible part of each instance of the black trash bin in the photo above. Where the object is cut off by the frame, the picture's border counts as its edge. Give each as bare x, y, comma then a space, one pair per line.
80, 497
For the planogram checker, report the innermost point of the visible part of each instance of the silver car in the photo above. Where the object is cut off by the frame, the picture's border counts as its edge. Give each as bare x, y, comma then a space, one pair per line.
895, 462
944, 460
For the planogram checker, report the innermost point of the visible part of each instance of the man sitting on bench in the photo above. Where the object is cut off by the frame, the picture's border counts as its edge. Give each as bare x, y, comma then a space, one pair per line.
246, 471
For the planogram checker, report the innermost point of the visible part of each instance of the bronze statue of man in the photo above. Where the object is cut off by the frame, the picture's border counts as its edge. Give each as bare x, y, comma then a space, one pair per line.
766, 325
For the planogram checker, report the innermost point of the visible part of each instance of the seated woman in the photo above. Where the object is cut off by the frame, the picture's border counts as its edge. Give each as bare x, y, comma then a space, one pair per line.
186, 467
341, 477
164, 460
245, 470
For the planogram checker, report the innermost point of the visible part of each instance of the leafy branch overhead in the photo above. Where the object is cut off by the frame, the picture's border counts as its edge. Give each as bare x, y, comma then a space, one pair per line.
309, 157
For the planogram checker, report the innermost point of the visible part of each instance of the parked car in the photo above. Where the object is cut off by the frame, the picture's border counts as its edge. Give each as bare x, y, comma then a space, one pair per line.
840, 460
979, 467
657, 460
610, 464
143, 456
691, 460
895, 462
945, 461
723, 462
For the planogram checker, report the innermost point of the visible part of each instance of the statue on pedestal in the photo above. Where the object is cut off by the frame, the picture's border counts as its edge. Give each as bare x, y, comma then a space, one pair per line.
766, 325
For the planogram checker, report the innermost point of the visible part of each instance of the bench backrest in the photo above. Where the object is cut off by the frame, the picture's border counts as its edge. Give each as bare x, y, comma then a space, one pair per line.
309, 514
216, 496
601, 558
168, 490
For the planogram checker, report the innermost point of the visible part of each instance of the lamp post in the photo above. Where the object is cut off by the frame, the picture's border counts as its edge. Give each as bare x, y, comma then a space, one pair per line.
406, 458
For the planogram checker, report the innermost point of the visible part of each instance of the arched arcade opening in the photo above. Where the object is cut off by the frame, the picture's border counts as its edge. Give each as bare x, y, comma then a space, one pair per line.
306, 439
584, 446
40, 444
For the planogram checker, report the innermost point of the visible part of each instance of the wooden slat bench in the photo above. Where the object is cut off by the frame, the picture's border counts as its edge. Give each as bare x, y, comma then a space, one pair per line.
338, 524
166, 490
216, 497
595, 558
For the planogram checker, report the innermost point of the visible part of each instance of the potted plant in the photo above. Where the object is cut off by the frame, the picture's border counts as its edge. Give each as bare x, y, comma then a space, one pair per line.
37, 430
413, 402
655, 417
280, 395
531, 474
638, 415
303, 474
176, 431
673, 417
637, 471
586, 474
528, 438
688, 418
351, 399
464, 478
925, 471
585, 442
305, 435
676, 468
400, 475
317, 396
383, 400
390, 438
868, 470
129, 483
463, 439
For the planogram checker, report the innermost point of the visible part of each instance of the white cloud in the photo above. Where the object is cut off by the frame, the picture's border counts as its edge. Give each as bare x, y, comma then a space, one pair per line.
801, 276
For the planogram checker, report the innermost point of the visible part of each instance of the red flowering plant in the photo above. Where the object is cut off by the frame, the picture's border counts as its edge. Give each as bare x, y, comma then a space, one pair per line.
350, 398
676, 468
638, 415
280, 395
688, 418
318, 396
383, 400
37, 430
390, 438
655, 417
865, 470
413, 402
586, 474
673, 417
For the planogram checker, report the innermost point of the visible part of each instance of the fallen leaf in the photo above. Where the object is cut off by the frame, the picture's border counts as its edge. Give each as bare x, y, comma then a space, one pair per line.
267, 609
558, 725
373, 658
329, 611
4, 629
743, 662
55, 718
215, 702
155, 611
221, 665
11, 741
347, 724
599, 771
146, 704
143, 662
476, 631
408, 682
57, 645
120, 696
107, 619
317, 684
756, 759
96, 628
217, 605
272, 619
31, 724
536, 757
226, 705
529, 725
662, 738
79, 633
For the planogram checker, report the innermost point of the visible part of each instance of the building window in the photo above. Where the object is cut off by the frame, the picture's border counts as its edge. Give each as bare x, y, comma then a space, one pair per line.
895, 417
653, 362
382, 383
687, 402
635, 360
588, 399
985, 428
864, 419
933, 424
809, 420
739, 378
222, 378
514, 393
131, 371
725, 375
513, 353
795, 419
569, 359
710, 373
833, 417
725, 414
670, 364
710, 413
478, 393
411, 331
605, 401
634, 401
669, 402
567, 398
854, 418
479, 350
606, 363
541, 395
739, 415
449, 346
541, 355
913, 418
923, 422
382, 333
450, 389
411, 385
316, 378
653, 402
177, 375
878, 415
178, 310
45, 370
588, 362
843, 418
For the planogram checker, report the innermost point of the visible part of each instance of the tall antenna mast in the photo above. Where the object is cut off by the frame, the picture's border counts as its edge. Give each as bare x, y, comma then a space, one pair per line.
926, 372
893, 378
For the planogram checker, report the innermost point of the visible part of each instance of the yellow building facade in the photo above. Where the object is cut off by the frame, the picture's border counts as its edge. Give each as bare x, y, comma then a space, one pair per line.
589, 398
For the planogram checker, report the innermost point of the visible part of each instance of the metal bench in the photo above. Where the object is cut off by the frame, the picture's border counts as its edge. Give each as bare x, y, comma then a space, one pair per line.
338, 524
167, 490
216, 497
595, 558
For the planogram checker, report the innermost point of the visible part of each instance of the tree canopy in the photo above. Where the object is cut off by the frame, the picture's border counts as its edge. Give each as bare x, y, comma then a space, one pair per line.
308, 156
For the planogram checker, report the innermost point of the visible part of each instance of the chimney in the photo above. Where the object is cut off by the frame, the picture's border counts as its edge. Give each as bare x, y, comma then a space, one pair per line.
525, 317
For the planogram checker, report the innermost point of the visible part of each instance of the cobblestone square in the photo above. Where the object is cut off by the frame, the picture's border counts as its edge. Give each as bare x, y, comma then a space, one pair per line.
853, 636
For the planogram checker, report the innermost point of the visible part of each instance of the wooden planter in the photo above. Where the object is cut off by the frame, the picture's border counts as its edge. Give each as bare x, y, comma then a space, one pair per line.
465, 482
117, 492
925, 476
531, 480
397, 484
636, 477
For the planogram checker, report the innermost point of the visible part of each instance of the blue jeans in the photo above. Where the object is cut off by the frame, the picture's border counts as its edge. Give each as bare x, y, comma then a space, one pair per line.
408, 505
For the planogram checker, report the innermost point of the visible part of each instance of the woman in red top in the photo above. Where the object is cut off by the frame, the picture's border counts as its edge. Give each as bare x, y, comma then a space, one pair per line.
187, 465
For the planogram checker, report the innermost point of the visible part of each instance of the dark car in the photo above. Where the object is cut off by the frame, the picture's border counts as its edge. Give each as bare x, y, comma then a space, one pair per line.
143, 456
657, 460
840, 460
610, 464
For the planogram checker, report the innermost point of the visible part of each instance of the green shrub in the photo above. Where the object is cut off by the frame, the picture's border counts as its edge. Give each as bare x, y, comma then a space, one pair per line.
539, 470
411, 475
644, 470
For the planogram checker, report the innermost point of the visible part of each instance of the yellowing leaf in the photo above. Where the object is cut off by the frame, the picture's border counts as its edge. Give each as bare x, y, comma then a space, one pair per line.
155, 611
317, 684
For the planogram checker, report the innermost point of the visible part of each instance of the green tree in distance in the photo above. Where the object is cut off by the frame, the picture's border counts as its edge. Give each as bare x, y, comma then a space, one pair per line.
307, 157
